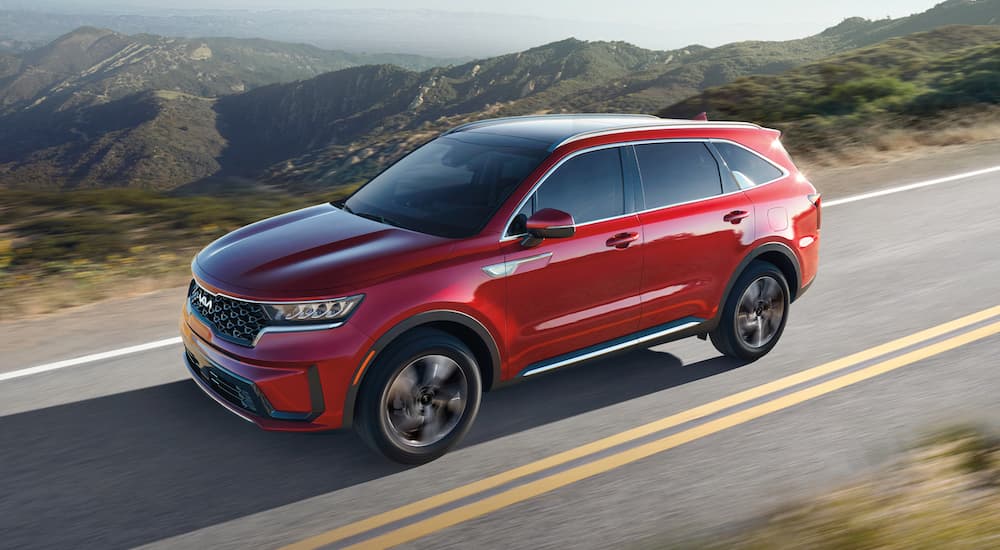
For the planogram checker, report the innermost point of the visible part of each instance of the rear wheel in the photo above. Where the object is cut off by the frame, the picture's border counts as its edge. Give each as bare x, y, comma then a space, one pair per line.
754, 314
420, 398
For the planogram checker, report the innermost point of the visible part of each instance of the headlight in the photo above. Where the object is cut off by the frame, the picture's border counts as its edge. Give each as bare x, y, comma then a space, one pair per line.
326, 311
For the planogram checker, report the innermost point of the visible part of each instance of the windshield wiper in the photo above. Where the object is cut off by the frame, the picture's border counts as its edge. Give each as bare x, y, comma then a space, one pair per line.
376, 218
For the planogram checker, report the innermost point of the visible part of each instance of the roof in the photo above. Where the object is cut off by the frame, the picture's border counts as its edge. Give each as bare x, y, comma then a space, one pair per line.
557, 130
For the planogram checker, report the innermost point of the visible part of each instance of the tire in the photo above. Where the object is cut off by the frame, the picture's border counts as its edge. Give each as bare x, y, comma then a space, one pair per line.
420, 397
750, 326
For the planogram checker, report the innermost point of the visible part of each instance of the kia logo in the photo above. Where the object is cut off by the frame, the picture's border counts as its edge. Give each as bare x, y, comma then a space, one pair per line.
205, 301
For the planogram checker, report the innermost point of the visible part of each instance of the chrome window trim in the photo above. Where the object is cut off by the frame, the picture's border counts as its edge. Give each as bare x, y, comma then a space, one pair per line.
784, 172
507, 238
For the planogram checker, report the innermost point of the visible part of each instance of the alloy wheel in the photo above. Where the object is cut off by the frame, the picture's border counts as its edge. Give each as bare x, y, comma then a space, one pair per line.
425, 400
760, 312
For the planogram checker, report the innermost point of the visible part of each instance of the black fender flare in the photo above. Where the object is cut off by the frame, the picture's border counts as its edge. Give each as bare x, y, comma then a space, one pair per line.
427, 317
757, 252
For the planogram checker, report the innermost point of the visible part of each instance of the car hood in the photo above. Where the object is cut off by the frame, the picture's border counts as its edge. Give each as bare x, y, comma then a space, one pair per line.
311, 252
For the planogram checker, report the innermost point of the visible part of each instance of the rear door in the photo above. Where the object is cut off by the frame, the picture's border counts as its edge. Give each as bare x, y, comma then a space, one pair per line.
697, 225
568, 294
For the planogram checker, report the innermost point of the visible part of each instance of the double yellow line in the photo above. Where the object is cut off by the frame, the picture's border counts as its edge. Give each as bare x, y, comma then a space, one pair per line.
559, 479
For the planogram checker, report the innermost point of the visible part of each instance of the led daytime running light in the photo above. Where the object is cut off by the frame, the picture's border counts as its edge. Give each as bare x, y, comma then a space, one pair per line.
314, 311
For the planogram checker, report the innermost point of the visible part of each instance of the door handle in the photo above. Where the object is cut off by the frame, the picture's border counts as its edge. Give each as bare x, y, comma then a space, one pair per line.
622, 240
736, 216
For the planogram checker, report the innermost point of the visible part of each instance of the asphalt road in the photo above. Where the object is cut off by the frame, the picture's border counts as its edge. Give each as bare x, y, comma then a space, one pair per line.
126, 451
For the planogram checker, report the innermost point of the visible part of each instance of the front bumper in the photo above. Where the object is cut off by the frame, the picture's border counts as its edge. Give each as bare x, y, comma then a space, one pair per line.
288, 382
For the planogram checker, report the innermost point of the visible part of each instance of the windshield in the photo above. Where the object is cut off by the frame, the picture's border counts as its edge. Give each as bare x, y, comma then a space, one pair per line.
451, 186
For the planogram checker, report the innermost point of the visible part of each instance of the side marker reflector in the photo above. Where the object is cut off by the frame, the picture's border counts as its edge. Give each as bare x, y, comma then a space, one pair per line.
364, 365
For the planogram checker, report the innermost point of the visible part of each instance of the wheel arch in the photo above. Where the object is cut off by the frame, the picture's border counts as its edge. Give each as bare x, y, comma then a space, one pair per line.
778, 254
460, 325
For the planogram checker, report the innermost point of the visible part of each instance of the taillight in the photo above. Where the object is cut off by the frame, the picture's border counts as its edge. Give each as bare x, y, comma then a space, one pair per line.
816, 199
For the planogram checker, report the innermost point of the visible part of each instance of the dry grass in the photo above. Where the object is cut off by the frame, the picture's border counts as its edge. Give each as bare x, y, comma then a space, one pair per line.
29, 296
60, 249
883, 141
943, 494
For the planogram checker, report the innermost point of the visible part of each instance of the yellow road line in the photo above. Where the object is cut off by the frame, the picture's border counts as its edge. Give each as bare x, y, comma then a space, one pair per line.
677, 419
544, 485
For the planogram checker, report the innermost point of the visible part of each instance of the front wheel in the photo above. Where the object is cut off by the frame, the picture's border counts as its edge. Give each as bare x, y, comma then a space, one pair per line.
420, 398
754, 314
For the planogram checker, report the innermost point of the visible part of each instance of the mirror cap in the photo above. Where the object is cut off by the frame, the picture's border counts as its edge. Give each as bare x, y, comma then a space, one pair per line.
549, 223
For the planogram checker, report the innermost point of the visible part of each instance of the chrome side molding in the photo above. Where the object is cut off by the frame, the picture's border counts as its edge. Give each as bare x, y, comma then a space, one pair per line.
504, 269
609, 348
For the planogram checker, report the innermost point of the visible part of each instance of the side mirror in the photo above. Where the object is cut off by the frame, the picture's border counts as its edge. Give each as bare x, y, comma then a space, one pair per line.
549, 223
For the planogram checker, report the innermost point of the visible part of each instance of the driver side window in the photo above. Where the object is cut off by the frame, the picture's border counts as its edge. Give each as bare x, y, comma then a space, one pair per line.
589, 186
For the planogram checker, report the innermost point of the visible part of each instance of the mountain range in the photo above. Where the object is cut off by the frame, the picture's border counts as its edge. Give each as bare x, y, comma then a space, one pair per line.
96, 108
475, 32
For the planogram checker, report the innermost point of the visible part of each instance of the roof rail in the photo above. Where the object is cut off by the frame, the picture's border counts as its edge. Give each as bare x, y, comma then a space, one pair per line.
498, 120
666, 124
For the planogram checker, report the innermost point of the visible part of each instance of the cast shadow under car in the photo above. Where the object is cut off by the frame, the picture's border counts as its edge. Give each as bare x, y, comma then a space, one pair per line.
140, 466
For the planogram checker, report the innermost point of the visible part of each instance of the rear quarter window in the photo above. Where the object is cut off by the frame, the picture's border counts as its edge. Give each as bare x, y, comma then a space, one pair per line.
749, 168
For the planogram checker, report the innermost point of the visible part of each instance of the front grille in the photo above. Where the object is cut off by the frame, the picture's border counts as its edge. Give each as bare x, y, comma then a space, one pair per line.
237, 321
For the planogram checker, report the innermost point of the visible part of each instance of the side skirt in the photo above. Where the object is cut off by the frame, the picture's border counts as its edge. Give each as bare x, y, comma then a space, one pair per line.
676, 330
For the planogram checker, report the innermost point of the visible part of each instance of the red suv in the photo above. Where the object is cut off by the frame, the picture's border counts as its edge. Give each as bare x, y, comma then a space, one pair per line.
500, 250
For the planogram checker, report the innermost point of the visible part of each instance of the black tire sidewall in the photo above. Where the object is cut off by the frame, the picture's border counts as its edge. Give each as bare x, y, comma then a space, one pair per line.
387, 365
725, 337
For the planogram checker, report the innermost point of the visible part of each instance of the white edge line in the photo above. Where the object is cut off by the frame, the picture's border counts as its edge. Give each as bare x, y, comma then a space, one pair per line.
176, 340
90, 358
909, 187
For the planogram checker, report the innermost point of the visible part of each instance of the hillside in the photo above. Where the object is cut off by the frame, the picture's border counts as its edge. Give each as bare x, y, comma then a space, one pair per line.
662, 78
278, 123
13, 46
150, 140
951, 12
648, 91
91, 65
606, 77
898, 83
92, 93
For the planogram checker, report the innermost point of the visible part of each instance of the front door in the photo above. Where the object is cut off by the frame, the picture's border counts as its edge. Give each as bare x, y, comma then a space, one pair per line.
569, 294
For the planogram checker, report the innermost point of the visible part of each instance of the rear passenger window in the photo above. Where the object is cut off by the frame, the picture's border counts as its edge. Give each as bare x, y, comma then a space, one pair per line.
589, 186
673, 173
748, 168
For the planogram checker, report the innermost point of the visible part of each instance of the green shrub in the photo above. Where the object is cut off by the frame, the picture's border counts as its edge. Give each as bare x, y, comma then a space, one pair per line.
981, 86
852, 96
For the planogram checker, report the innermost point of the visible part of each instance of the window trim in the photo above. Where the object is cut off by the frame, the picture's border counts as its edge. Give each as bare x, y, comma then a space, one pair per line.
784, 173
507, 238
530, 195
719, 168
625, 187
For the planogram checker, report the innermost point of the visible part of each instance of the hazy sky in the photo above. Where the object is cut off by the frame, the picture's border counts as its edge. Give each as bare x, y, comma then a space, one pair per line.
658, 11
709, 22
